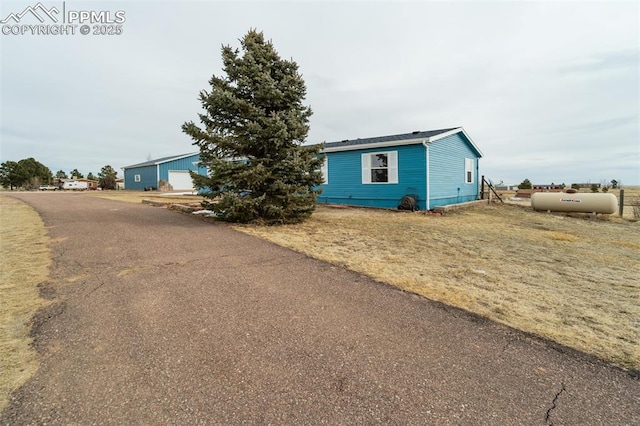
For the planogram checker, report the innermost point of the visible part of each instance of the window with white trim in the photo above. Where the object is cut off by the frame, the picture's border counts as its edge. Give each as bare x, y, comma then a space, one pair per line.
380, 167
136, 178
468, 170
324, 169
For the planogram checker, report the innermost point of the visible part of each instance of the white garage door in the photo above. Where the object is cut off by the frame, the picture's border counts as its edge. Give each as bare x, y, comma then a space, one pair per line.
180, 181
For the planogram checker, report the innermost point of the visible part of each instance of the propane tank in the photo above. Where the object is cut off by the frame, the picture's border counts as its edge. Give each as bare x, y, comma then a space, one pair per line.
580, 203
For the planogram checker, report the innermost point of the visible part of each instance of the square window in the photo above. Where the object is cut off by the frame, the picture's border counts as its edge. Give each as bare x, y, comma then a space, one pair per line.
136, 178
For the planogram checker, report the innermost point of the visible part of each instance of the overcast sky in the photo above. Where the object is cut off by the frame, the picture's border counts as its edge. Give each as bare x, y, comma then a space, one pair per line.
547, 90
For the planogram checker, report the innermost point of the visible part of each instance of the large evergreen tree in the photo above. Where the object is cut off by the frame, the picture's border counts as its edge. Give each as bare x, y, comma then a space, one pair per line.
251, 138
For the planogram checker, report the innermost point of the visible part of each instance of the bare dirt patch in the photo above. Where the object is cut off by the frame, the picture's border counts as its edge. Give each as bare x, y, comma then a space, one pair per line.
565, 278
24, 250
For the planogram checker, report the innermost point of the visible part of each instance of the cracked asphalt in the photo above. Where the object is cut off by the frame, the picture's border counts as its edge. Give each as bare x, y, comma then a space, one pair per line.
161, 318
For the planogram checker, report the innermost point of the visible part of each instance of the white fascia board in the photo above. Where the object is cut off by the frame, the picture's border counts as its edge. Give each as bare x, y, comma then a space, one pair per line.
374, 145
445, 134
453, 132
472, 142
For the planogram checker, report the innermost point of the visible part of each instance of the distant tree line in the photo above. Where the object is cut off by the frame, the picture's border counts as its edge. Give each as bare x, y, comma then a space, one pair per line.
29, 174
594, 187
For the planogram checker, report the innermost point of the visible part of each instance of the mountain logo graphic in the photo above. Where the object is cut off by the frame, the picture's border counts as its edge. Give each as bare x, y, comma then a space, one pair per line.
33, 10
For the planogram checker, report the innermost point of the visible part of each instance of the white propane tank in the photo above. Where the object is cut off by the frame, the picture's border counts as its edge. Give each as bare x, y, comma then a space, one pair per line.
580, 203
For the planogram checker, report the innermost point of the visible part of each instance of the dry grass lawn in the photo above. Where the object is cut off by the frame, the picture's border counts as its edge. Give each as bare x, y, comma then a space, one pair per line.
25, 262
569, 279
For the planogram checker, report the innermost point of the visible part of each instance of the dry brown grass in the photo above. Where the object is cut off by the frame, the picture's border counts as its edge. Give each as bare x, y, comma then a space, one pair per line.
24, 250
565, 278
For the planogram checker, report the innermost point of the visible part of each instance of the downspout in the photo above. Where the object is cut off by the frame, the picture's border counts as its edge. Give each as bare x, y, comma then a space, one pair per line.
477, 176
427, 182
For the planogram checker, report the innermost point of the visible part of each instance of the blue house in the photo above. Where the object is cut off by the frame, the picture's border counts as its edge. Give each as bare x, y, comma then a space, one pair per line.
437, 167
173, 170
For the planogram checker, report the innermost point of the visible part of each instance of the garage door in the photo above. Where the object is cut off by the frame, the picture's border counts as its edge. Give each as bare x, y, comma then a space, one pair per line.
180, 181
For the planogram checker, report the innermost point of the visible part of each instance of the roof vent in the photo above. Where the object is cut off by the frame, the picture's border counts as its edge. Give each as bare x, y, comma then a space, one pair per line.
415, 132
345, 140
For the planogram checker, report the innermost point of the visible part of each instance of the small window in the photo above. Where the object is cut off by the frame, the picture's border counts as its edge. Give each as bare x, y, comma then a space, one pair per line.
136, 178
324, 169
468, 170
380, 167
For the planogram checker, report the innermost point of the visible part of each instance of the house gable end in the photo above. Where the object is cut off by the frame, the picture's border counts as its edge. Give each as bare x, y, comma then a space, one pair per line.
450, 160
463, 135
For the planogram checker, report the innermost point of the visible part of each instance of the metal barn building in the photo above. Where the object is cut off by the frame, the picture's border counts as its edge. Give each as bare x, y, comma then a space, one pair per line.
173, 170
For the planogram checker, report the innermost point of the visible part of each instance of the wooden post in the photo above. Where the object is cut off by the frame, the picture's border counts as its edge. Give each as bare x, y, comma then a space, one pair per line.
482, 188
621, 202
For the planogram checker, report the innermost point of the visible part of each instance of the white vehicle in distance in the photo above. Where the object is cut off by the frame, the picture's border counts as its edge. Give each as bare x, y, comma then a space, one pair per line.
48, 188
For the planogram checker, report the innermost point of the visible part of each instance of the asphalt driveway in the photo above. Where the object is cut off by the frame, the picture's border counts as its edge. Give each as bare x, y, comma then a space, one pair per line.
161, 318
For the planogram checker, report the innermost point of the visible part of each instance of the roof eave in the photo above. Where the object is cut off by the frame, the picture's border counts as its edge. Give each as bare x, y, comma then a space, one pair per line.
156, 162
179, 157
374, 145
422, 140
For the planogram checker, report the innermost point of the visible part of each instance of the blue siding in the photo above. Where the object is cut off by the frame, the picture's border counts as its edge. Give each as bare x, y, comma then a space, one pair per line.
447, 183
148, 177
345, 179
181, 164
151, 174
447, 171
